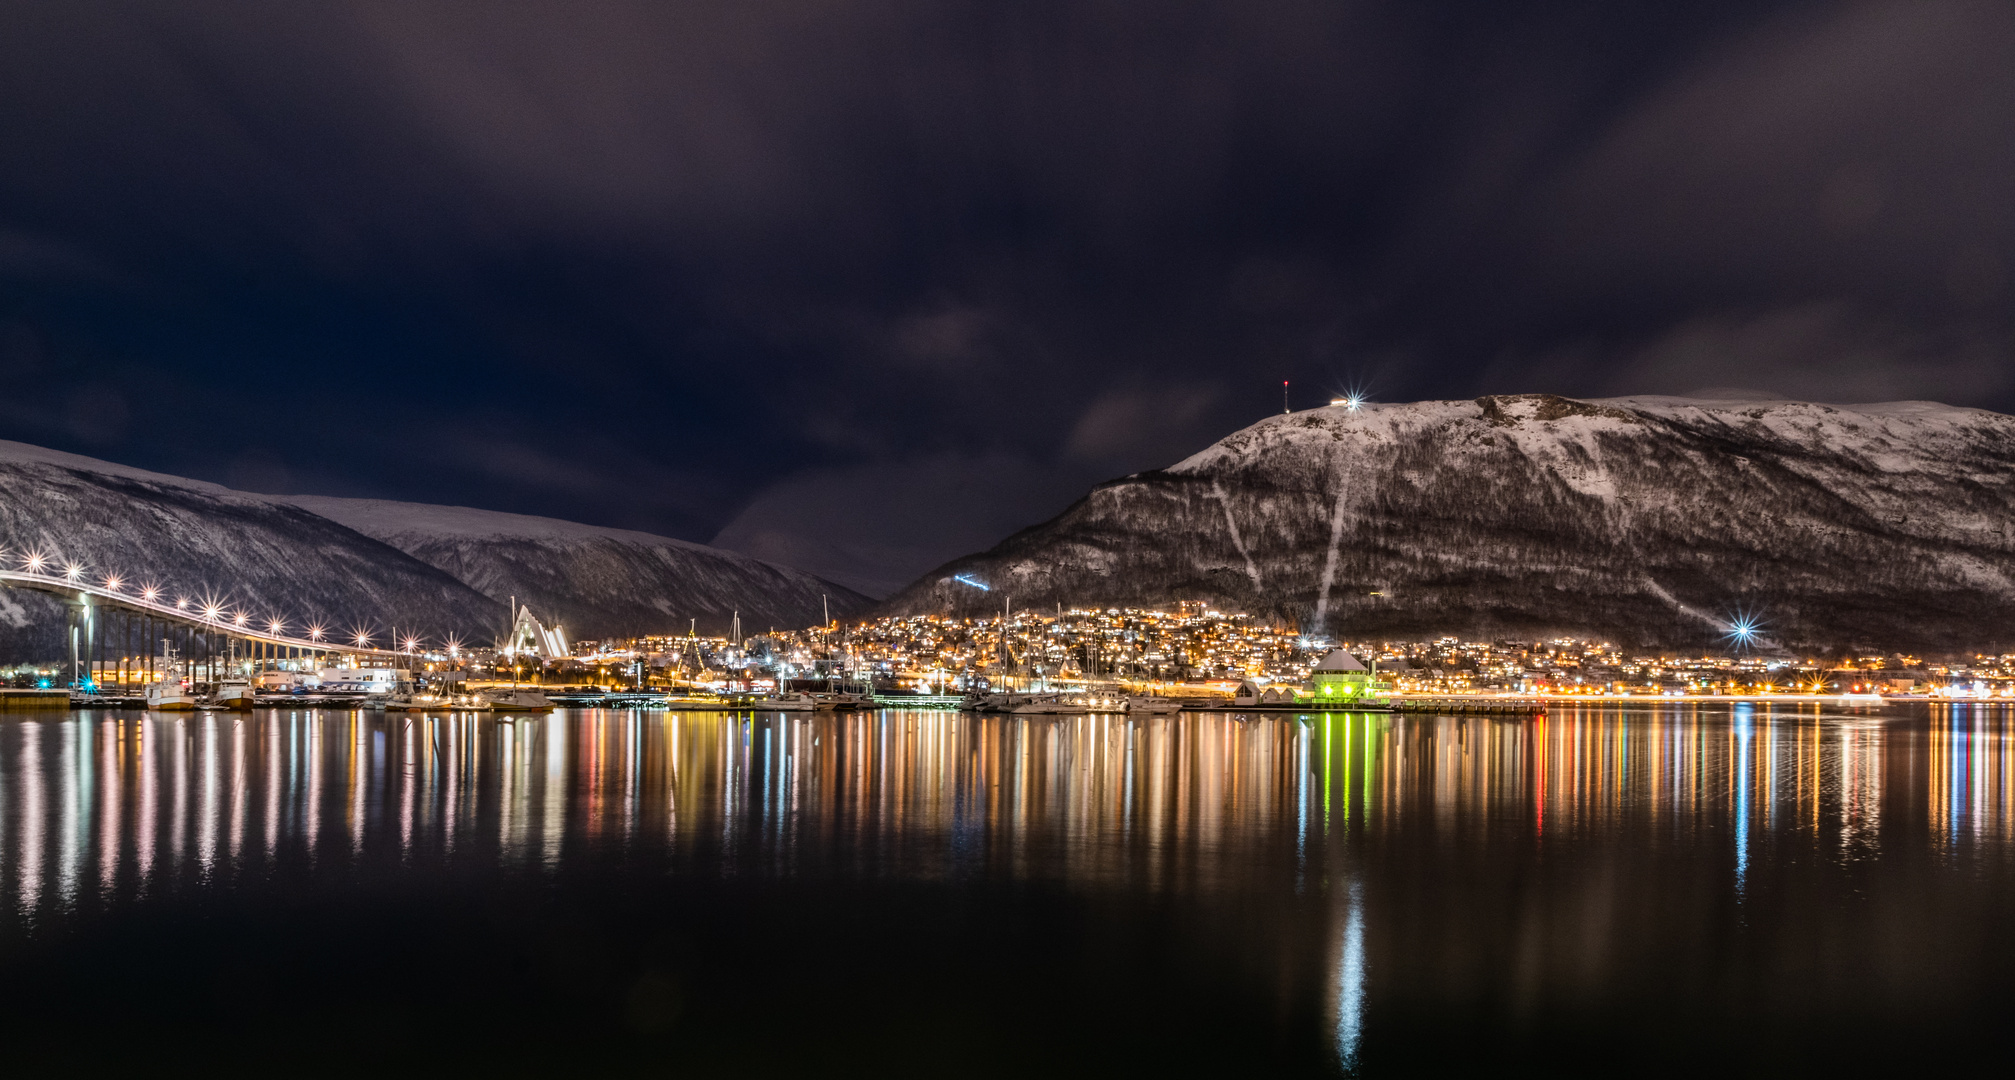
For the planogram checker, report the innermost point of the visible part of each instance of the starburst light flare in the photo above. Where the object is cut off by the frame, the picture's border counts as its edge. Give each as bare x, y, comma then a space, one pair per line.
73, 572
316, 631
274, 627
1745, 629
150, 592
34, 561
114, 583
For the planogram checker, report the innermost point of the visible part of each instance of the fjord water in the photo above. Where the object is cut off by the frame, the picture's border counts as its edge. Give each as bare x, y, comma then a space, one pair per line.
1772, 890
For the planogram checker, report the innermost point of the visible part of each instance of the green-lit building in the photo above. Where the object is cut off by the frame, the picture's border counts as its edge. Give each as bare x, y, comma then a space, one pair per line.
1340, 678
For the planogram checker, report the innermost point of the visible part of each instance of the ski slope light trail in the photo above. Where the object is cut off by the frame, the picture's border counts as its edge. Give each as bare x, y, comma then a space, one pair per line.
974, 582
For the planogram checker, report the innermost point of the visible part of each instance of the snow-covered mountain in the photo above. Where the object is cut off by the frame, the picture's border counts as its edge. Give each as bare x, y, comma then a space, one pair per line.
596, 582
349, 563
1653, 519
267, 558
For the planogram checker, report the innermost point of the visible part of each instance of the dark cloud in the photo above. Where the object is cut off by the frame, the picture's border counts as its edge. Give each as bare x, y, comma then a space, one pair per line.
867, 285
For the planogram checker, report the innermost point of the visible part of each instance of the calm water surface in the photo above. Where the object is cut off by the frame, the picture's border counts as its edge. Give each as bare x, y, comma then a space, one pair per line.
1600, 891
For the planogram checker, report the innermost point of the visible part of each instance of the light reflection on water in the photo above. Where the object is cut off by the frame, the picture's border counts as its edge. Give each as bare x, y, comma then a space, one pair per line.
1537, 865
112, 801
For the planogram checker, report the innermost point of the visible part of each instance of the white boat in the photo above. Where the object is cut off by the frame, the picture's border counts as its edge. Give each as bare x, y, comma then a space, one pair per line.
998, 703
414, 701
1050, 705
168, 696
1143, 703
505, 699
792, 702
233, 694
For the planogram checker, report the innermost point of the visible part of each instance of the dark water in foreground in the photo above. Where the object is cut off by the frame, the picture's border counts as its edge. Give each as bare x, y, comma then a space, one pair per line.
1602, 891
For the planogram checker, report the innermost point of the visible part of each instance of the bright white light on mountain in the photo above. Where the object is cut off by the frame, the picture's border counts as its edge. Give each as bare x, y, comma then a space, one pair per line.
1744, 629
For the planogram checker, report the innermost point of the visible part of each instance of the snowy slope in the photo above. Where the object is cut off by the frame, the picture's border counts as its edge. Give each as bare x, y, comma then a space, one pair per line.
1651, 518
596, 582
189, 537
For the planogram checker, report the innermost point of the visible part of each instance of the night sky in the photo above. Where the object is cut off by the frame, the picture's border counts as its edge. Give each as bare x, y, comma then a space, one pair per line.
865, 286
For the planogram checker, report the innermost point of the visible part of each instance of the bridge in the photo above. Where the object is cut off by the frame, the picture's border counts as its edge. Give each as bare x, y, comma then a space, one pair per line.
117, 627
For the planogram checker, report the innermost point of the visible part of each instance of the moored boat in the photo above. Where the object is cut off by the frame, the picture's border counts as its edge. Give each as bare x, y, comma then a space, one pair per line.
234, 695
1051, 705
516, 699
169, 696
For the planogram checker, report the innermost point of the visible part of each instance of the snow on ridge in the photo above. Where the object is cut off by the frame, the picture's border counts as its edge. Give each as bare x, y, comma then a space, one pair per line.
1784, 416
1663, 403
1323, 426
20, 453
380, 518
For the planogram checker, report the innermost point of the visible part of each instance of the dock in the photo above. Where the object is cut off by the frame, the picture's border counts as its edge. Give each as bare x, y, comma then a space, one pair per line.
1461, 705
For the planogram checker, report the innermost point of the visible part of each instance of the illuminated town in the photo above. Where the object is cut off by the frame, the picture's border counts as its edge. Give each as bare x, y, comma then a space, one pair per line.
1192, 651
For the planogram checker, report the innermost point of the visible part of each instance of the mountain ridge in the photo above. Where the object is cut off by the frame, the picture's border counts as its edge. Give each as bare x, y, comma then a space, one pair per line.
1650, 518
279, 557
596, 581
